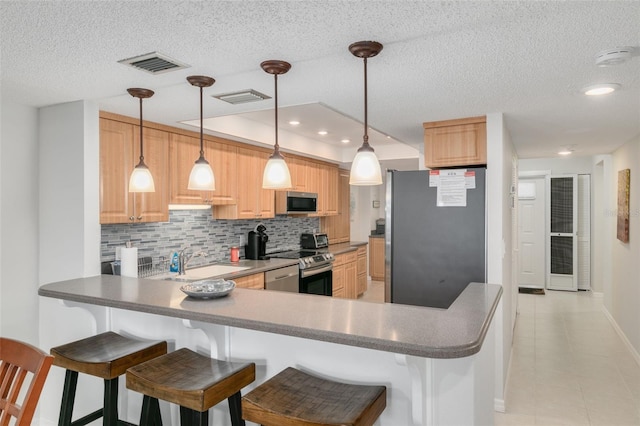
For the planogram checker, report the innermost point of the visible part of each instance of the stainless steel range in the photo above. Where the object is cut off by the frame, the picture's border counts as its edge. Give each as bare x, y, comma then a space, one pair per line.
315, 266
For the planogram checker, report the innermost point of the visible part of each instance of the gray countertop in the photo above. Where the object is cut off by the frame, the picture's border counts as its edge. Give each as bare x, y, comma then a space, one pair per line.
427, 332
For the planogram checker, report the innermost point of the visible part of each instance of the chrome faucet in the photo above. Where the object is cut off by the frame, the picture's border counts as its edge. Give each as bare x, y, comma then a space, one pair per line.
183, 259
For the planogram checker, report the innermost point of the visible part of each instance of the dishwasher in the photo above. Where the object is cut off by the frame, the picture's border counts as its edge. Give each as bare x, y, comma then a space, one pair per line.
283, 279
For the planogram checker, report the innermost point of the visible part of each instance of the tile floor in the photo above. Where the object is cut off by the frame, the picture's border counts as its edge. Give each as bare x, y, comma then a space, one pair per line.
569, 366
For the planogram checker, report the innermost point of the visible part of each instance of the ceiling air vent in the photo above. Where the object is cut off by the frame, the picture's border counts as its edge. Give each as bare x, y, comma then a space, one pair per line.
242, 97
154, 63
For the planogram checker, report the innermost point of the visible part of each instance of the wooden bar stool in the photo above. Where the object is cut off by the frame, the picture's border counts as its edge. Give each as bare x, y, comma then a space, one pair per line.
194, 382
107, 355
294, 398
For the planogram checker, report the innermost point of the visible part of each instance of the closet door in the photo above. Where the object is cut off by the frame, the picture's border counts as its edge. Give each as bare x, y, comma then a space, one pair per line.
562, 240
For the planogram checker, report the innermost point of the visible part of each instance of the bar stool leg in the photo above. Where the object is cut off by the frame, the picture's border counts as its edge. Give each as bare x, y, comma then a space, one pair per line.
189, 417
235, 409
111, 402
68, 397
150, 415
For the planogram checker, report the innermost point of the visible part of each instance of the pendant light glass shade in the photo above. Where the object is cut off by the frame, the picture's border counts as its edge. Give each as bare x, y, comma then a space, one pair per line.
365, 168
201, 177
276, 173
141, 179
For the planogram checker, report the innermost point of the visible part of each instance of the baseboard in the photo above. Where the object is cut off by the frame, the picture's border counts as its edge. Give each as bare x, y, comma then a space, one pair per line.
597, 294
498, 405
616, 327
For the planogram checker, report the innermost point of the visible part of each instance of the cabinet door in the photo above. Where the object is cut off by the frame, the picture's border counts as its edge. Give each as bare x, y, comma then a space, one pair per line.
298, 170
116, 164
329, 182
255, 281
266, 207
376, 259
153, 206
338, 227
223, 160
351, 280
184, 151
338, 281
362, 269
460, 142
252, 201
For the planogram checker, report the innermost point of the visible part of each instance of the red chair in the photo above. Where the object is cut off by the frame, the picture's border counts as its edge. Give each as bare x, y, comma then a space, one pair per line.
17, 360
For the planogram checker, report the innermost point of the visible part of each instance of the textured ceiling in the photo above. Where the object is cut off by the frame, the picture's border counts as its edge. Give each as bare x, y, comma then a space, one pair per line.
441, 60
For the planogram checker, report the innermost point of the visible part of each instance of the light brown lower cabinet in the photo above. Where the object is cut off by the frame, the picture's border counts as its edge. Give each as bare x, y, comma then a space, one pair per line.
255, 281
376, 258
362, 269
345, 275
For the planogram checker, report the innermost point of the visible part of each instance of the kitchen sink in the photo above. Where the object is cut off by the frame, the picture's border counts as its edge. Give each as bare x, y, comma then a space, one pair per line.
202, 273
212, 271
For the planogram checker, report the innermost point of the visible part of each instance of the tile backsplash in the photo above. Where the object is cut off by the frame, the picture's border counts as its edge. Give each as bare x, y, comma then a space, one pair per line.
199, 231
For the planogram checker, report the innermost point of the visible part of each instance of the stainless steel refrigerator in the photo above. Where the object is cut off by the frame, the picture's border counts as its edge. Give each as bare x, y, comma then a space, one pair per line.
435, 236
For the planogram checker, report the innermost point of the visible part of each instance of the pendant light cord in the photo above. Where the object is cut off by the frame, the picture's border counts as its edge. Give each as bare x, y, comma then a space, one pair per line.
276, 148
201, 123
141, 149
365, 138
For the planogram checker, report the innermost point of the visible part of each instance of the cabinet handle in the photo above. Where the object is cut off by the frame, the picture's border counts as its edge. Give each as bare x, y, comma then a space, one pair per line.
131, 218
139, 218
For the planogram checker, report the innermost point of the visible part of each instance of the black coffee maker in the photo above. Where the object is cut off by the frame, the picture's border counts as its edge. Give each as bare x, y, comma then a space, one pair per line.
256, 247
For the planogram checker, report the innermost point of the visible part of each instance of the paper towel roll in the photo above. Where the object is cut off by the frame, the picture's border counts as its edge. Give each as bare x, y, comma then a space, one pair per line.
129, 259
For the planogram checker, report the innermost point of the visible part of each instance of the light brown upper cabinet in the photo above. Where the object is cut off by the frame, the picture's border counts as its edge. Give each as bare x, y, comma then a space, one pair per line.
184, 151
461, 142
323, 179
338, 227
119, 153
253, 202
298, 169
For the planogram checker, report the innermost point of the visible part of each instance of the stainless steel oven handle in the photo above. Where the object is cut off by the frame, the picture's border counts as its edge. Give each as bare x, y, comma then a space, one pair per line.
315, 271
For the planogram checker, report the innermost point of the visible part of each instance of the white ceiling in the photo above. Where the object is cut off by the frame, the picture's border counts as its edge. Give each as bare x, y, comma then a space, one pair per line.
441, 60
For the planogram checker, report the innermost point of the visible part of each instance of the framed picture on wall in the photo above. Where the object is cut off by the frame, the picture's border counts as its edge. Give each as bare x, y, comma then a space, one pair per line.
624, 182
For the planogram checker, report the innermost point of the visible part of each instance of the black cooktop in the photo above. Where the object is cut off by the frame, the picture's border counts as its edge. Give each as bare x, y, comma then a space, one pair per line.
295, 254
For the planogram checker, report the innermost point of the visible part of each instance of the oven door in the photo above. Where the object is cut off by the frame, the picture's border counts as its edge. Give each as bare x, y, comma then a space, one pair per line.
317, 280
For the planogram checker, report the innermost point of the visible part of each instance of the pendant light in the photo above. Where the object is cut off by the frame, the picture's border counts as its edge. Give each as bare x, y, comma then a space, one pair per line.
201, 176
365, 169
141, 179
276, 173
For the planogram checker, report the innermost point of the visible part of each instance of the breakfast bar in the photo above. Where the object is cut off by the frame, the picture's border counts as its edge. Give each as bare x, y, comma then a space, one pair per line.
438, 364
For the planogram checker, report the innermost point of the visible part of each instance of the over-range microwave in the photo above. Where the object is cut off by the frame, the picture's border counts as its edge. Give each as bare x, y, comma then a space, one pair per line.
294, 202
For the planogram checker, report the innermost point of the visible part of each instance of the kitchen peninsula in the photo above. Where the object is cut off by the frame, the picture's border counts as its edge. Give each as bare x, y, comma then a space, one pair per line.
437, 364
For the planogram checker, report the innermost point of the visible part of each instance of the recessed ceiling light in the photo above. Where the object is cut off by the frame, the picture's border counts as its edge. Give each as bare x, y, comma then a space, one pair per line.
600, 89
323, 132
565, 152
294, 122
345, 140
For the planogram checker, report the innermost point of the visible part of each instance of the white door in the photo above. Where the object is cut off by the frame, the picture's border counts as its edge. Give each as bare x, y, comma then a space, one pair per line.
562, 240
531, 234
584, 232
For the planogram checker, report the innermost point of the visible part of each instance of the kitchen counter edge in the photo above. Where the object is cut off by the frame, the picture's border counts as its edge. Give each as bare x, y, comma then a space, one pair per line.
426, 332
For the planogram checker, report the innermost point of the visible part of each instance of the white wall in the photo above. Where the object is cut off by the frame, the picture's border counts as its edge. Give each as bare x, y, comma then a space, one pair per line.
578, 165
623, 304
500, 160
19, 222
69, 241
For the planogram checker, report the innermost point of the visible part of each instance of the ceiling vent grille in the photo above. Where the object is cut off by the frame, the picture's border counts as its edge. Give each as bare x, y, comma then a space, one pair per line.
154, 63
242, 97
